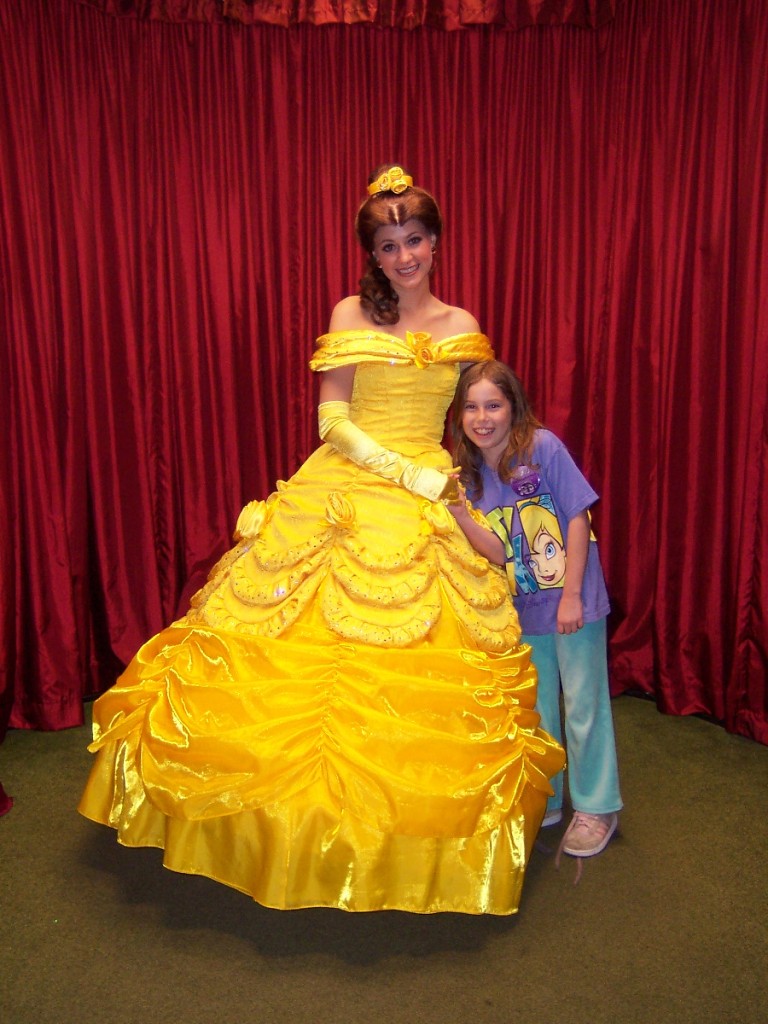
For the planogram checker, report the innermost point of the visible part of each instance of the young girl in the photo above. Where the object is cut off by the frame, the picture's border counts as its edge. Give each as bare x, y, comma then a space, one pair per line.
536, 501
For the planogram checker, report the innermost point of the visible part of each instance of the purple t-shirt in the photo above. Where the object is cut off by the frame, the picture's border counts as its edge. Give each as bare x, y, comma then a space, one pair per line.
531, 514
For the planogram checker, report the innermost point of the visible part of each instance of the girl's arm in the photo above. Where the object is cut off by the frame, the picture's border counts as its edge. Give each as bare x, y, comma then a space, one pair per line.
570, 611
482, 540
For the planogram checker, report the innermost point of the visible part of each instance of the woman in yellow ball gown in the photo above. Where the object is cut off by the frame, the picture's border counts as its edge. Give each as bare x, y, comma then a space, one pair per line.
345, 717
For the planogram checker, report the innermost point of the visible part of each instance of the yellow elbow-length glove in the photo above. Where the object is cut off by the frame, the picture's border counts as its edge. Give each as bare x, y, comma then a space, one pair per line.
337, 430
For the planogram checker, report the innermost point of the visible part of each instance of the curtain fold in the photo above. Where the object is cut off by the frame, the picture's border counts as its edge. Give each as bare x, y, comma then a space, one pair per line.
448, 15
176, 209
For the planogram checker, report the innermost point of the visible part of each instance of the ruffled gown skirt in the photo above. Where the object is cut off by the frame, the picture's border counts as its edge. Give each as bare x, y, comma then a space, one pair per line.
344, 718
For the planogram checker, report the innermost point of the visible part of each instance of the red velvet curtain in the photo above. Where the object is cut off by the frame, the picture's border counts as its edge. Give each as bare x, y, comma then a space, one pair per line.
177, 204
404, 14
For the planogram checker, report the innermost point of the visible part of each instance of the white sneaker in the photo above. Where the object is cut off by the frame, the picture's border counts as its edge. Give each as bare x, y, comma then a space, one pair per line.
588, 834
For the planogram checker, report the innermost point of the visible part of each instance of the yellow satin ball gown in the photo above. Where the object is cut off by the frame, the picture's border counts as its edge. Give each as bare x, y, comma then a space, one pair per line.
344, 718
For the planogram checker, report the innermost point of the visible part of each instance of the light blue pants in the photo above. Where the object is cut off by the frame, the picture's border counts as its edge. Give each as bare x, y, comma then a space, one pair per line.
578, 663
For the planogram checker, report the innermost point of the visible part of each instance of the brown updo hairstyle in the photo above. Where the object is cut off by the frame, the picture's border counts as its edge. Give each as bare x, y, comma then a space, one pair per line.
523, 427
377, 296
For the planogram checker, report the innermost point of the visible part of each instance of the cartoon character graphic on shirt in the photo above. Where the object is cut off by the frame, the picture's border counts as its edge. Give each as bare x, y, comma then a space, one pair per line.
546, 549
543, 567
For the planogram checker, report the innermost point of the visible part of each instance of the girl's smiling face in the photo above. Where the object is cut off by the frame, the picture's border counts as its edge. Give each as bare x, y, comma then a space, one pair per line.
487, 419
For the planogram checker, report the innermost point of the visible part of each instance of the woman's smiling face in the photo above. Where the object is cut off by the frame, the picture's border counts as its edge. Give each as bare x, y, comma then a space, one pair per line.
404, 252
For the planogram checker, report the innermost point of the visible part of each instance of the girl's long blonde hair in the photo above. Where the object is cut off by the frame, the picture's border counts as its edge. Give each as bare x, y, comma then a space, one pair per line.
519, 450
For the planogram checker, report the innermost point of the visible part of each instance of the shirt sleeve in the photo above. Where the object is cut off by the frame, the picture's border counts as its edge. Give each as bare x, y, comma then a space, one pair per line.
570, 488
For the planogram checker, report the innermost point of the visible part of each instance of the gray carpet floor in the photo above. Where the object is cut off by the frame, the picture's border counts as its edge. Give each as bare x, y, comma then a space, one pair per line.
669, 924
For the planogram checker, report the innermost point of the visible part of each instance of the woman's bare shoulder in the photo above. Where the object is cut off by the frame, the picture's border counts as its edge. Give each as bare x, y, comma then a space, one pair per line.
348, 315
460, 321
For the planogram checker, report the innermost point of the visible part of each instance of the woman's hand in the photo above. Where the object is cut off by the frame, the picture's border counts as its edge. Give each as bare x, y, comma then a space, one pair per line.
453, 492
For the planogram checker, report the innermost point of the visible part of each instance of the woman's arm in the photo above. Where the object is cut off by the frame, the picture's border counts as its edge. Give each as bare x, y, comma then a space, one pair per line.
337, 430
336, 384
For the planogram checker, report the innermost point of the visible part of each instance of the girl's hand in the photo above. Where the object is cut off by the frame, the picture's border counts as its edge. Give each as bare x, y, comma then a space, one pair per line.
570, 613
460, 510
